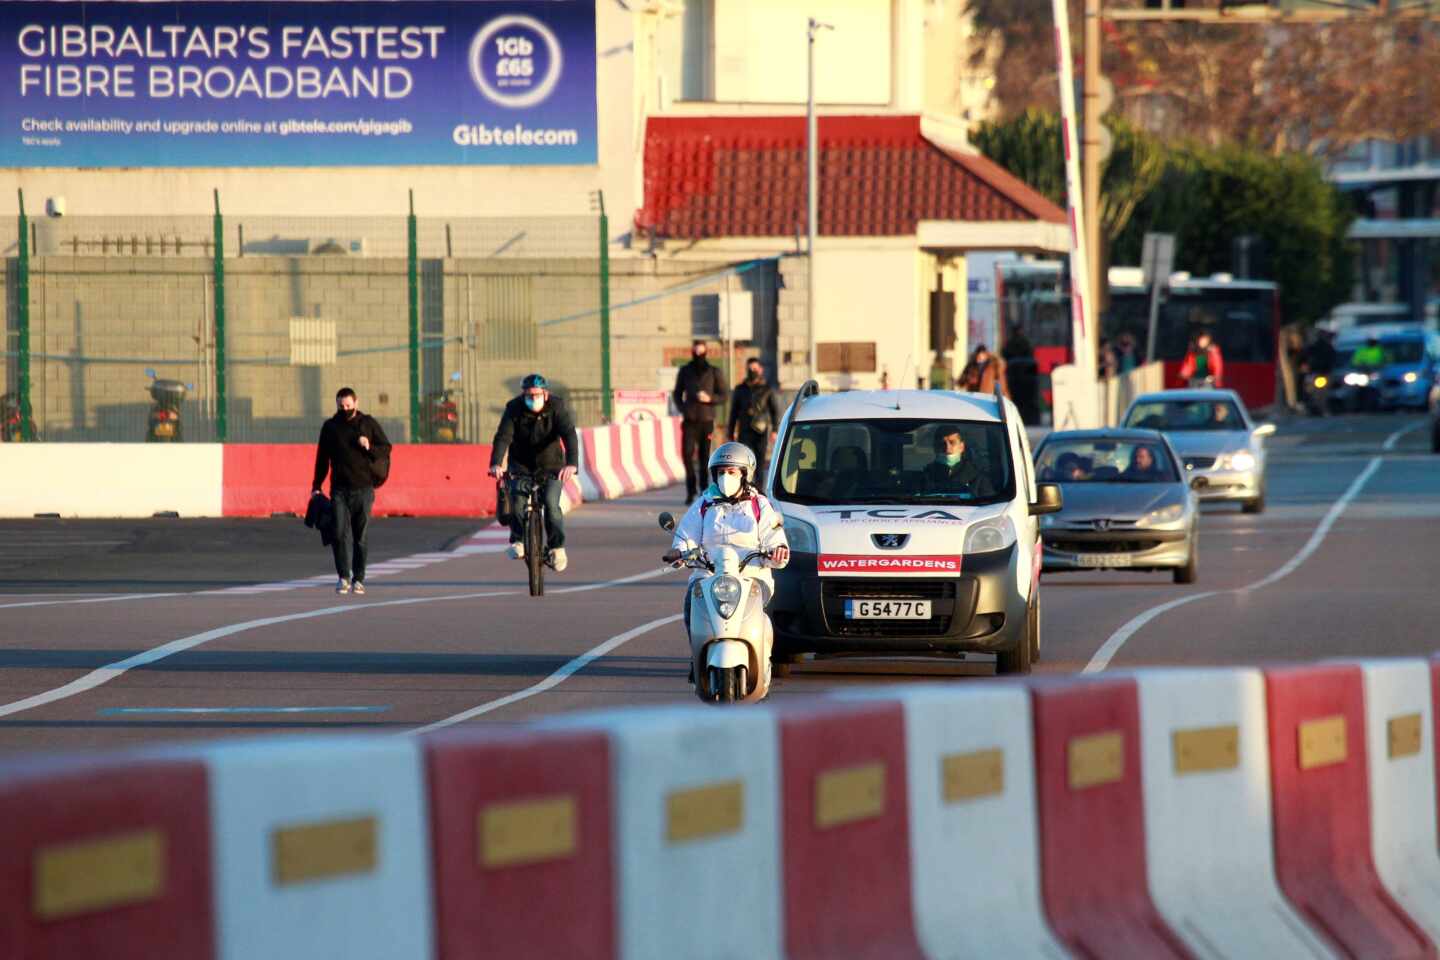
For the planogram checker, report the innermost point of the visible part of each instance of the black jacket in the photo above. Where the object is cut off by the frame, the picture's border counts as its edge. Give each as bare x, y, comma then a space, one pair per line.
965, 474
534, 440
751, 404
339, 452
695, 376
320, 514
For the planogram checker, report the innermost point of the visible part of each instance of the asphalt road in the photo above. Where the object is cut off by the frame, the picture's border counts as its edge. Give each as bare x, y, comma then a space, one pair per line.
216, 628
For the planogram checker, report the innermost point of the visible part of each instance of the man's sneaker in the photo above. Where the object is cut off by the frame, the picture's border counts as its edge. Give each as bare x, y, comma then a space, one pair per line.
343, 586
357, 587
558, 560
517, 551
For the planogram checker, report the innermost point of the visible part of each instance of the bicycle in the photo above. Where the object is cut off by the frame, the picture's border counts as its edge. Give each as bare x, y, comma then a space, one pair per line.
527, 493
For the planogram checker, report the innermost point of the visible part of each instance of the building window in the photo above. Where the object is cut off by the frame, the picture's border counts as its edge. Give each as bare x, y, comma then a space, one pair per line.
845, 357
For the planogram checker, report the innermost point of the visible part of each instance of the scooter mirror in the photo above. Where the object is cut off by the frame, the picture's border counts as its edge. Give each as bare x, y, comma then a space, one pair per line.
667, 522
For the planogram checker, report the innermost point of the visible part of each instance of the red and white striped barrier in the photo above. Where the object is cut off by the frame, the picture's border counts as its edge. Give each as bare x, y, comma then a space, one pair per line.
1132, 815
629, 458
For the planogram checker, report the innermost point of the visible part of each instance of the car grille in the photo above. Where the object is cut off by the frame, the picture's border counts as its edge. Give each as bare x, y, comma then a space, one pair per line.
1199, 463
943, 595
1103, 546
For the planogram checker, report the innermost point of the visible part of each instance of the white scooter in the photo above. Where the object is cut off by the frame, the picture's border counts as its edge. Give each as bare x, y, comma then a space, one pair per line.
730, 633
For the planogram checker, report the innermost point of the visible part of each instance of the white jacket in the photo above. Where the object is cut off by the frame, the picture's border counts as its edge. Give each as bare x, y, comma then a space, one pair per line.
745, 526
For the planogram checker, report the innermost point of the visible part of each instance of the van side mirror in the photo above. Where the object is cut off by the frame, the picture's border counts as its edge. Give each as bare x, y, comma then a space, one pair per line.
1265, 430
667, 522
1048, 499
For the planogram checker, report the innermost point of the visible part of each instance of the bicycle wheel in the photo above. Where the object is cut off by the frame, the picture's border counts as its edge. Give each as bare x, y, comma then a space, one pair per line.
535, 548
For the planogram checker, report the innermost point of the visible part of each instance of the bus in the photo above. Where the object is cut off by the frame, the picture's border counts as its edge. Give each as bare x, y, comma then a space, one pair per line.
1242, 316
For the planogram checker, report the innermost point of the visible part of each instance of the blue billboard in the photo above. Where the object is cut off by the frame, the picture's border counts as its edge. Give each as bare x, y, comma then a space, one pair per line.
297, 83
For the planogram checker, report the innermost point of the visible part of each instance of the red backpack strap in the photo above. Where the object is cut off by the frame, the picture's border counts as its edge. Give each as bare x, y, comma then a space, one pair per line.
755, 505
704, 505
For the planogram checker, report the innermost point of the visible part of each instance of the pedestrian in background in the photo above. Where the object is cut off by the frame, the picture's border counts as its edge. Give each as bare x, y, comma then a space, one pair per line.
1127, 353
699, 389
355, 452
754, 415
983, 372
940, 376
1021, 375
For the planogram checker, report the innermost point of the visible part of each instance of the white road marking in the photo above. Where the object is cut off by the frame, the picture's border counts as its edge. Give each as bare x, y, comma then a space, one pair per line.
1394, 438
1112, 646
554, 680
109, 599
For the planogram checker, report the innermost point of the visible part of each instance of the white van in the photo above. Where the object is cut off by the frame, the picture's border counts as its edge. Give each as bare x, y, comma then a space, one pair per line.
913, 524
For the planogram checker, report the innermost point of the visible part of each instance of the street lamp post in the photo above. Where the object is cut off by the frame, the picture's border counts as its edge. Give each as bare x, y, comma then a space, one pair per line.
812, 186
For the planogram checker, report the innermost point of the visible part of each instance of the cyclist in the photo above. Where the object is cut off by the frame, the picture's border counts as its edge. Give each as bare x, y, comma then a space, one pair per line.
537, 434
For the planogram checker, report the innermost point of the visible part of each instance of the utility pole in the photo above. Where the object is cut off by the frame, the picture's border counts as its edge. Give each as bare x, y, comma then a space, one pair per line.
1090, 158
812, 186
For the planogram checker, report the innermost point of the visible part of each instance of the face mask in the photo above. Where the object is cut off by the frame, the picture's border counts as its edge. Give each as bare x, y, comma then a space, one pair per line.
729, 484
754, 376
951, 459
699, 354
535, 403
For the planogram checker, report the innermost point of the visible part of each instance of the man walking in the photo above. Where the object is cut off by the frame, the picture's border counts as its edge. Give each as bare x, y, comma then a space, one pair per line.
351, 444
754, 415
699, 388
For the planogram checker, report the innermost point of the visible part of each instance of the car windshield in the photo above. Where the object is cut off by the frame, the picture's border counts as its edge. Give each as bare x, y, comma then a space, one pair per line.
895, 461
1403, 351
1175, 415
1105, 461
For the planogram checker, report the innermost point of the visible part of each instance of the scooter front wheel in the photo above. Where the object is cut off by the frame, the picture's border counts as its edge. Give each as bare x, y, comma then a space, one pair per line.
727, 685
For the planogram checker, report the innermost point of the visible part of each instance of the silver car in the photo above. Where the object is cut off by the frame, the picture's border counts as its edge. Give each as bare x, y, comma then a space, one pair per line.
1211, 430
1126, 503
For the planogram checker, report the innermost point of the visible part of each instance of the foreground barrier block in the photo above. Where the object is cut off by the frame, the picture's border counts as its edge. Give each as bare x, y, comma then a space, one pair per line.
522, 844
667, 441
1318, 762
1092, 833
321, 848
846, 833
102, 859
1208, 843
974, 832
1399, 744
697, 819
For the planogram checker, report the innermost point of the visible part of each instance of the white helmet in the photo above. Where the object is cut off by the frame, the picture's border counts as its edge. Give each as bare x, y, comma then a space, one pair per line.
733, 454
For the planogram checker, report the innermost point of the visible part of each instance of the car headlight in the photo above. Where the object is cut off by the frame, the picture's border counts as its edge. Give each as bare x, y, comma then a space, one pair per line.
726, 592
801, 536
1244, 460
1357, 379
987, 536
1411, 377
1166, 514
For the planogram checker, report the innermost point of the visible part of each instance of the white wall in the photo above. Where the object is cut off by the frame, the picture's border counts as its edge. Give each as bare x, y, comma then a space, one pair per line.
110, 479
873, 291
469, 191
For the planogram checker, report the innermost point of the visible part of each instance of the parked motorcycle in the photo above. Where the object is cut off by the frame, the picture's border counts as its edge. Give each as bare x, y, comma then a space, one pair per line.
164, 424
442, 413
731, 637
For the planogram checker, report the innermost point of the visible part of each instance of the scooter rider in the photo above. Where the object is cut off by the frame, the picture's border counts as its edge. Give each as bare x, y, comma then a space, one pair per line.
732, 513
537, 431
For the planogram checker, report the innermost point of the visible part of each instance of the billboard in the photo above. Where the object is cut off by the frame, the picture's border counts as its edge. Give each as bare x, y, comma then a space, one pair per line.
296, 83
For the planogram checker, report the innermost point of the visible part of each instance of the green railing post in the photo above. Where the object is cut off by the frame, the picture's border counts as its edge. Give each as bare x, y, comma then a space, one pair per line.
222, 420
606, 398
413, 255
22, 302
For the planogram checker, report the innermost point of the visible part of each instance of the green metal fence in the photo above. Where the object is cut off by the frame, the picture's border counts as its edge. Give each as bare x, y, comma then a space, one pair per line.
264, 318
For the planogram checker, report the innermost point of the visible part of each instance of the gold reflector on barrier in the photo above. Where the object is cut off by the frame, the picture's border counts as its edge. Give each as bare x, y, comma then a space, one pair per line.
1403, 734
530, 831
92, 875
849, 794
1096, 759
1323, 742
318, 851
705, 811
966, 776
1206, 749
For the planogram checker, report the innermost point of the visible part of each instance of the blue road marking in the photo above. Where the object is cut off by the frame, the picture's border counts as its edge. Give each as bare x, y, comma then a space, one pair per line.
131, 711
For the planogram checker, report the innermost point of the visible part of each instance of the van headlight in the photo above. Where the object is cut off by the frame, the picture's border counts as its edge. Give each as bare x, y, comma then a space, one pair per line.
1243, 460
726, 592
802, 536
1166, 514
987, 536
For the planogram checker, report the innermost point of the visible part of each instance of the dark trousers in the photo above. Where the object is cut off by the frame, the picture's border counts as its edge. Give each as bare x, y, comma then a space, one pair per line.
695, 449
759, 444
554, 518
352, 521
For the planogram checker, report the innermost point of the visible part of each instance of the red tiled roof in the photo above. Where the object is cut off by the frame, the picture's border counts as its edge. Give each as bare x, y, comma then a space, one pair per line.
745, 177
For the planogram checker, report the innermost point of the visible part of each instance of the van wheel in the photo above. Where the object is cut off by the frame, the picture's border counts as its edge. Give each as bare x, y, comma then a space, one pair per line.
1017, 660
